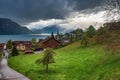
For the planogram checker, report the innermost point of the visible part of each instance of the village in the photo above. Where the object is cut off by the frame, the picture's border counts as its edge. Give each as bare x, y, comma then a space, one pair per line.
33, 46
75, 51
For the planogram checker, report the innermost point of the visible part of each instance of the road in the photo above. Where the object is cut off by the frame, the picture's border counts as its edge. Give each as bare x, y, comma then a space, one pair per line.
8, 73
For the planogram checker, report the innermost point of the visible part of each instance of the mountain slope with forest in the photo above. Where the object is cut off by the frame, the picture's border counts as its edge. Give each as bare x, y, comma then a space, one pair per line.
8, 26
50, 29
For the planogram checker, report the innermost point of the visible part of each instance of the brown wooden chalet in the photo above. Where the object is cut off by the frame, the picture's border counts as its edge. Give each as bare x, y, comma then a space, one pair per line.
49, 42
23, 45
1, 47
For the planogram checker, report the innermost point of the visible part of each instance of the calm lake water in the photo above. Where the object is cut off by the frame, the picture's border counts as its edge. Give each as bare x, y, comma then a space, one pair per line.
5, 38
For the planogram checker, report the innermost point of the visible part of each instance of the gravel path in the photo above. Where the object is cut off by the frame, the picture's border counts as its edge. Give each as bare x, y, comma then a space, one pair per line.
10, 74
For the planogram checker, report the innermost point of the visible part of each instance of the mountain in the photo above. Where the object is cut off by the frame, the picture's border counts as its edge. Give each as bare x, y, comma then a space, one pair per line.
50, 29
8, 26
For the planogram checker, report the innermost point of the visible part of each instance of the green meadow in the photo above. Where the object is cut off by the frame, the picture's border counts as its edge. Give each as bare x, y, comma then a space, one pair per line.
72, 62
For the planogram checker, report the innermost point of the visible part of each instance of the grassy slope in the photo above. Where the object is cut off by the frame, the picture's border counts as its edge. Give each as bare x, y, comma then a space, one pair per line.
72, 63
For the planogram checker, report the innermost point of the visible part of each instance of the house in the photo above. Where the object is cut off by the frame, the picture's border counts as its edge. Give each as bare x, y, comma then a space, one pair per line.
49, 42
23, 45
28, 51
1, 46
38, 49
65, 39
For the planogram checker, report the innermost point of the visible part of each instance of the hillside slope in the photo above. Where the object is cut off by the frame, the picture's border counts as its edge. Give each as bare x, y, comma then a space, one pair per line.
71, 63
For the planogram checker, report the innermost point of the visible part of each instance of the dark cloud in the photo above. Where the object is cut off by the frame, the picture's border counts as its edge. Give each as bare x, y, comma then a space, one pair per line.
25, 11
85, 4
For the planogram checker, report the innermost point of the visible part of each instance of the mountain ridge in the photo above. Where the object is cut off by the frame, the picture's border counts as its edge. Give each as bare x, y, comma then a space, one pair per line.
7, 26
50, 29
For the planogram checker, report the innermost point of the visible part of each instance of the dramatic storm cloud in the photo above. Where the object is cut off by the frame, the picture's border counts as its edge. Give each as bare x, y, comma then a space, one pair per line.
35, 13
74, 21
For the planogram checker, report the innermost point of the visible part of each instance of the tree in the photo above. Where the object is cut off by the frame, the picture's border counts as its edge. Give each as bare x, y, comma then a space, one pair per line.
112, 10
67, 35
14, 51
34, 41
79, 33
9, 44
90, 31
47, 59
84, 41
101, 31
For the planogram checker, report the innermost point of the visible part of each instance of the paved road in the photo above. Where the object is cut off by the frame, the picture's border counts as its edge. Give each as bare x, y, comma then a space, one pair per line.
10, 74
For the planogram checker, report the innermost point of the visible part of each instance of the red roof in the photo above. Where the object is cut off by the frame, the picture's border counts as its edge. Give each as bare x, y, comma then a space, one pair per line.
2, 46
49, 38
28, 51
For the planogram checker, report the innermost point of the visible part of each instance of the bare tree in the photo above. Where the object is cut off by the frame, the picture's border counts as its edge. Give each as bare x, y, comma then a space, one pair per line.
112, 10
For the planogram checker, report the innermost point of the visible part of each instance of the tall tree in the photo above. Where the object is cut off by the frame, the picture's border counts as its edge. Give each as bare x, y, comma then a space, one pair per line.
84, 41
14, 51
79, 33
101, 31
47, 59
90, 31
34, 41
9, 44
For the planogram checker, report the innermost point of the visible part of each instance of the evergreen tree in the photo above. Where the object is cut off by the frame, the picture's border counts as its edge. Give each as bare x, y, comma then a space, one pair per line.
100, 31
90, 32
14, 51
84, 41
34, 41
79, 33
9, 44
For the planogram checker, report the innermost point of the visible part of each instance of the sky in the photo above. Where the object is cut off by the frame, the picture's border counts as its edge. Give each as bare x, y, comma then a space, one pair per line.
70, 14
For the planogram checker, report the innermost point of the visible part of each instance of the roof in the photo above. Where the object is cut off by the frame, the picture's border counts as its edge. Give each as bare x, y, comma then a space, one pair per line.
2, 44
49, 38
28, 51
21, 42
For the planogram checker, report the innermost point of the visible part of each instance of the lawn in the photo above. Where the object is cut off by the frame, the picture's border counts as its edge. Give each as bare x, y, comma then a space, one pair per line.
71, 63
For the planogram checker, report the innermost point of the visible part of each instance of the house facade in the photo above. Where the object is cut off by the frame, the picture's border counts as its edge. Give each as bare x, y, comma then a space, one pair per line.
1, 47
22, 45
49, 42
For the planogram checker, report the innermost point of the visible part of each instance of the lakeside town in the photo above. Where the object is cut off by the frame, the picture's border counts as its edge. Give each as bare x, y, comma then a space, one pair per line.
59, 39
37, 46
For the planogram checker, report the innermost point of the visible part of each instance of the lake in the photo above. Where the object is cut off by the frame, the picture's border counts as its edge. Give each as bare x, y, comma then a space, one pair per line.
26, 37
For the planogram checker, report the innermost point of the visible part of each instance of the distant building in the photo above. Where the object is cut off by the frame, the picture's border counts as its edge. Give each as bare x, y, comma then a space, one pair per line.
49, 42
65, 39
28, 51
23, 45
58, 36
1, 47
